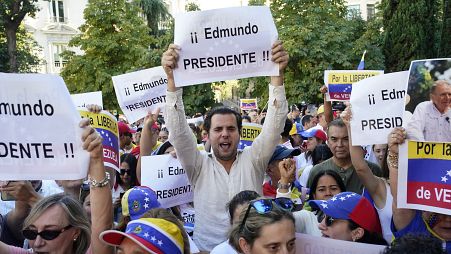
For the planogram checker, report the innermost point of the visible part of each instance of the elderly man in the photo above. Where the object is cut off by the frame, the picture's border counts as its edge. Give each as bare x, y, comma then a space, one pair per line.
217, 177
431, 119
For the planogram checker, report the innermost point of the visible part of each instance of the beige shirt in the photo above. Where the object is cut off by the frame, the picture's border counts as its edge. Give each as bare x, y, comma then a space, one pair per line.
213, 187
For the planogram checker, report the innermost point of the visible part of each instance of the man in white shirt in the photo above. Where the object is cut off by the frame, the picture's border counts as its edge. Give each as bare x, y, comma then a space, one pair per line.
431, 119
218, 176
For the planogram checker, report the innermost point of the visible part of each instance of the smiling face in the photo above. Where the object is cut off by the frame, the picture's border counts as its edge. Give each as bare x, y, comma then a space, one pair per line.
224, 136
441, 97
54, 218
278, 237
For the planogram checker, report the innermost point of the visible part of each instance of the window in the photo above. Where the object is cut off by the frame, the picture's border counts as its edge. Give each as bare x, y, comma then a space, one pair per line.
371, 11
58, 60
57, 11
353, 10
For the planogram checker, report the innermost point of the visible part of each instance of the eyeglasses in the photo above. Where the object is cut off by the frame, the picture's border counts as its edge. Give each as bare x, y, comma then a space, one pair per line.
45, 234
123, 171
329, 220
264, 206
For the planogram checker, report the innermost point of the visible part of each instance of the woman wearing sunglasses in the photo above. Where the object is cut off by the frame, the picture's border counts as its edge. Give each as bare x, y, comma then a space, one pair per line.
266, 226
349, 217
58, 224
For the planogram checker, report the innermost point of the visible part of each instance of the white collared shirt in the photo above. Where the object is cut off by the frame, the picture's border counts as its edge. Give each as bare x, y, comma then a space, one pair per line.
428, 124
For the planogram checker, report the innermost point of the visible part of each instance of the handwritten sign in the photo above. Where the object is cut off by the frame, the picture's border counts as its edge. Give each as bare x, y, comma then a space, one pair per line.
249, 132
83, 99
106, 126
424, 176
141, 92
164, 174
248, 104
377, 107
216, 47
308, 244
40, 137
339, 83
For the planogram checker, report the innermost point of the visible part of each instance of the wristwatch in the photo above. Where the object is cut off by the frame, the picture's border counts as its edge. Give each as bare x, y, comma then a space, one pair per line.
283, 186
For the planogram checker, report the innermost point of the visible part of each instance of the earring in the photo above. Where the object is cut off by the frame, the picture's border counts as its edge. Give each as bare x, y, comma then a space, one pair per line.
75, 239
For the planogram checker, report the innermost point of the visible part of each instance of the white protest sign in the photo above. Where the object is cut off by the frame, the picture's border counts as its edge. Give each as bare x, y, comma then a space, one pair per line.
224, 44
308, 244
83, 99
141, 92
164, 174
196, 120
377, 107
40, 137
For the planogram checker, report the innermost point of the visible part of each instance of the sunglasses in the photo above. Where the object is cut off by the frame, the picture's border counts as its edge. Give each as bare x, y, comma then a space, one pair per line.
329, 220
264, 206
123, 171
45, 234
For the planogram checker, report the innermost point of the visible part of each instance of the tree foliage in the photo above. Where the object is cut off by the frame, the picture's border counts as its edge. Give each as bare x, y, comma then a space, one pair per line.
410, 32
114, 40
318, 35
12, 13
27, 52
156, 13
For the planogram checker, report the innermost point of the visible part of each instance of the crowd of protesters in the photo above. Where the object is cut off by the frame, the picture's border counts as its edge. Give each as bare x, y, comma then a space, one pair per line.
301, 174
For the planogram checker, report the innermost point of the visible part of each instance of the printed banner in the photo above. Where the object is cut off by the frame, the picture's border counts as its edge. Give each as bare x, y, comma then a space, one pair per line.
424, 176
308, 244
188, 216
216, 47
40, 137
141, 92
247, 104
249, 132
196, 120
339, 83
106, 126
377, 107
164, 174
81, 100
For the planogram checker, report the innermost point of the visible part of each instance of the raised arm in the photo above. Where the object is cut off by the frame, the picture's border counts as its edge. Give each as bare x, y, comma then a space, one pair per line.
401, 217
263, 146
373, 184
181, 136
101, 201
328, 113
148, 139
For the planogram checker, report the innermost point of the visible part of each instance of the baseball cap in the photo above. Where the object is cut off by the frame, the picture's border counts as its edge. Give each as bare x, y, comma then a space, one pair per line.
350, 206
137, 201
282, 152
320, 110
314, 132
124, 128
153, 234
296, 129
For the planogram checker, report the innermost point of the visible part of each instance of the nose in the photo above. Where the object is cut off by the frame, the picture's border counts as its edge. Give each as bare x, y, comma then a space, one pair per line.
328, 192
322, 225
37, 242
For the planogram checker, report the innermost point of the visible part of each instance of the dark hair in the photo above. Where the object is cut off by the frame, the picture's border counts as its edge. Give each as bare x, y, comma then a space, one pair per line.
163, 147
247, 118
287, 128
221, 111
241, 198
321, 173
368, 237
321, 153
415, 244
337, 123
131, 160
306, 119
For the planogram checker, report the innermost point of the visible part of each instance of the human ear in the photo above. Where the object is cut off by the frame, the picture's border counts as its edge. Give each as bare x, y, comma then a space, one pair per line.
244, 246
357, 234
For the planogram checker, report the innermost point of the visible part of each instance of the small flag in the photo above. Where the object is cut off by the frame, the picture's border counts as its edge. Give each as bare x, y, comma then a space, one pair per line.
362, 62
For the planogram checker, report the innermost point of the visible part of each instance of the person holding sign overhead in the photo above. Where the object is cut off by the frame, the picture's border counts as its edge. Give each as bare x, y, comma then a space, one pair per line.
218, 176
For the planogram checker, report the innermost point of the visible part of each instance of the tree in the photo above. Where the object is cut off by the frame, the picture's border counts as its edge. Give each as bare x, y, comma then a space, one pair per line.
114, 40
318, 35
444, 45
410, 32
156, 13
12, 13
26, 54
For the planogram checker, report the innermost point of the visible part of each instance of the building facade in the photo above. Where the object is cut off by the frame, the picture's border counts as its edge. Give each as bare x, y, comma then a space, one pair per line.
56, 22
366, 8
